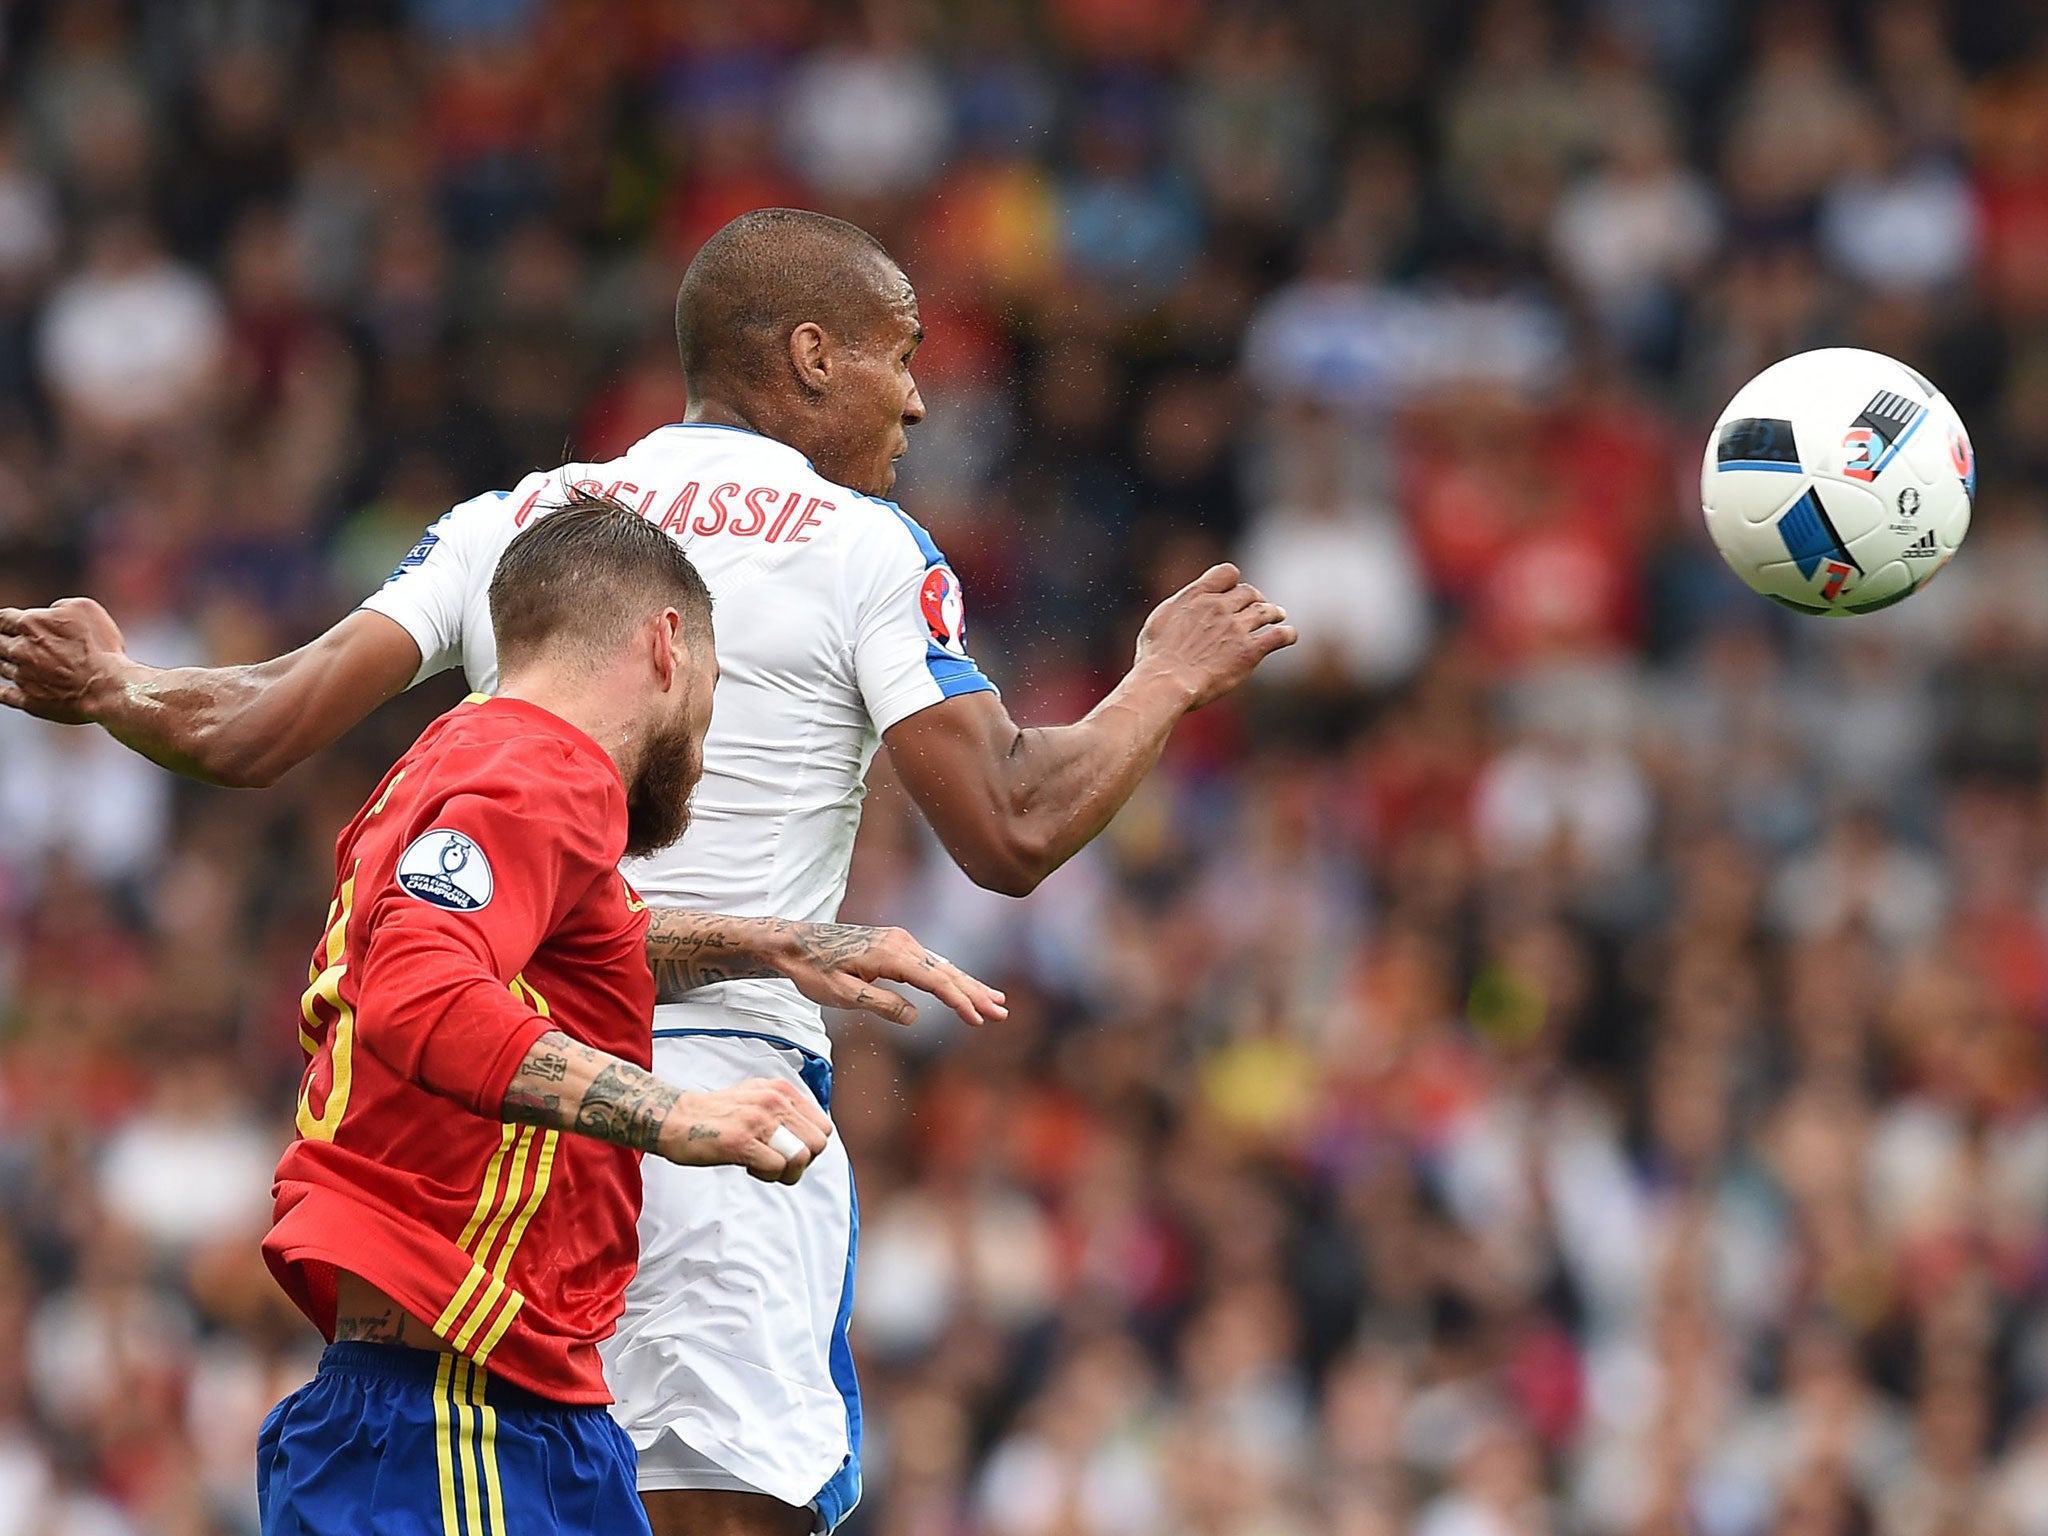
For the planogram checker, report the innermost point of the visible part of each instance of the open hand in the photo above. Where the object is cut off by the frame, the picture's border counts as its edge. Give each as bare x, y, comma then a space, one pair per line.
837, 964
1211, 633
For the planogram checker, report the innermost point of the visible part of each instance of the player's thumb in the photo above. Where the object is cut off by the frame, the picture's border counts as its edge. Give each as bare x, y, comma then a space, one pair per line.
1218, 578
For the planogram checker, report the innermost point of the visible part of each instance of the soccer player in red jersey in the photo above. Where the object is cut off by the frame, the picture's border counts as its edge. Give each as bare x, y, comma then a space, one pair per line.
457, 1214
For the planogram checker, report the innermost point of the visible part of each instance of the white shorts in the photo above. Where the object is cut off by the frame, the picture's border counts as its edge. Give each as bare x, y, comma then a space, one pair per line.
731, 1367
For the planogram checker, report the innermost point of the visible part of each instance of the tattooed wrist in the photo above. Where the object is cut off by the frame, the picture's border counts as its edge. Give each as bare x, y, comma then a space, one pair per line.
568, 1086
626, 1106
688, 950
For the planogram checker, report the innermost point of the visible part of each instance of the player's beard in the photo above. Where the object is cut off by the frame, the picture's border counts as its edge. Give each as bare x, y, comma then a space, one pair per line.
658, 799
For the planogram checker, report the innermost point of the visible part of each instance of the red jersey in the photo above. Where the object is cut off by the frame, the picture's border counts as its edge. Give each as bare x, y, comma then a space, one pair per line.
477, 905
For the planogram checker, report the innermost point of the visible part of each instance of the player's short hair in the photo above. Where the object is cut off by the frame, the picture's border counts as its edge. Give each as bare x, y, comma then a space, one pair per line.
585, 576
766, 273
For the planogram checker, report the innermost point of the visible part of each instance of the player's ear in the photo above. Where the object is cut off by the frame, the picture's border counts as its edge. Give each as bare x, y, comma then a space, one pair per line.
670, 654
810, 357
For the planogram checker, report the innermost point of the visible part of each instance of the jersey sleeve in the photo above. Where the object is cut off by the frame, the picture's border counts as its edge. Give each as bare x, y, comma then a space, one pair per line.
489, 869
431, 593
910, 640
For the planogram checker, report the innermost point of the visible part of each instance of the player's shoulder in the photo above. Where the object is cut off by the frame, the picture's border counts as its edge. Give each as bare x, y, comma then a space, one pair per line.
886, 535
478, 526
515, 749
482, 509
511, 763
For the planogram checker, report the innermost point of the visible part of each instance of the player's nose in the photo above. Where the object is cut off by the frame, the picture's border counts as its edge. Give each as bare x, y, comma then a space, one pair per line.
913, 408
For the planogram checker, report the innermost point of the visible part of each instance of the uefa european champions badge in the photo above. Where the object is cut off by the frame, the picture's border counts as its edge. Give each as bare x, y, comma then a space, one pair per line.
945, 610
446, 869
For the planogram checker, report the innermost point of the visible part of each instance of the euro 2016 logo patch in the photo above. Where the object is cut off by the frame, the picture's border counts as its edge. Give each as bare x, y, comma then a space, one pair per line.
945, 610
446, 869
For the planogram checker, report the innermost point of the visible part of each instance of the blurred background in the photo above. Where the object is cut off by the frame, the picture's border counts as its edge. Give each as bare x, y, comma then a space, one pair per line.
1563, 1053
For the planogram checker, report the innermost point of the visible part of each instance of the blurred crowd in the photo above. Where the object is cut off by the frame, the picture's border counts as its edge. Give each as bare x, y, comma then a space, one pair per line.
1562, 1054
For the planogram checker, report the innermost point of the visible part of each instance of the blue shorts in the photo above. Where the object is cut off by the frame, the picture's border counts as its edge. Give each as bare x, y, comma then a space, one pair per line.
388, 1441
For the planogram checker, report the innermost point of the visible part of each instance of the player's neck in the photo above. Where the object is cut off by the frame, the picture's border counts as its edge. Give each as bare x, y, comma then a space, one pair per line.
764, 416
593, 704
726, 411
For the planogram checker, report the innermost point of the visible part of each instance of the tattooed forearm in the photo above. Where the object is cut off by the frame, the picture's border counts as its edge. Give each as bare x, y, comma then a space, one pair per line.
688, 950
626, 1106
568, 1086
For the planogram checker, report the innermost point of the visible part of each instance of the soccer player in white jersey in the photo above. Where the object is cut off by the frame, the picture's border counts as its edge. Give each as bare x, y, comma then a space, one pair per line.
840, 626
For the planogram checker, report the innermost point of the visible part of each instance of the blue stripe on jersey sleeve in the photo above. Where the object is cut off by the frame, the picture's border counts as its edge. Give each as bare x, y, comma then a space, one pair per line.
955, 675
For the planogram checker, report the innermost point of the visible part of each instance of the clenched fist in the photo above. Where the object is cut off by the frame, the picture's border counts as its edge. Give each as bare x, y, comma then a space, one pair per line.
1211, 633
738, 1125
52, 660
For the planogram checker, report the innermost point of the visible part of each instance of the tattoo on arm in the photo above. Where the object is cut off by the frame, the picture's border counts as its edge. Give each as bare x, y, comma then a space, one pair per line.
688, 950
626, 1106
388, 1327
568, 1086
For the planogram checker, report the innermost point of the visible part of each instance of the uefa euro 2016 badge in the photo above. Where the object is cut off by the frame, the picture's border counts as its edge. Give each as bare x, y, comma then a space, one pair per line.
446, 869
945, 610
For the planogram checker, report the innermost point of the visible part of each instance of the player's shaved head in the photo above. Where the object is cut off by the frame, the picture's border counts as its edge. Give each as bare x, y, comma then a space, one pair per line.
585, 577
765, 274
801, 328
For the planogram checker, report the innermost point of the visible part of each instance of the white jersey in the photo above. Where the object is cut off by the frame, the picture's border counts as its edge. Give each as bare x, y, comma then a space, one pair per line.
835, 615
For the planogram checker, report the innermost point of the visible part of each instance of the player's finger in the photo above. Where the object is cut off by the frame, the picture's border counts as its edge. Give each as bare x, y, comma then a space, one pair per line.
1275, 637
1218, 578
12, 697
913, 964
10, 621
783, 1157
768, 1165
1243, 595
974, 1001
780, 1101
1259, 615
806, 1124
892, 1006
796, 1157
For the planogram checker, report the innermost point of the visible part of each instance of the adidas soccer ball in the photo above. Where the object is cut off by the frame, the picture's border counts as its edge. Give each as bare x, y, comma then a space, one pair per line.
1838, 482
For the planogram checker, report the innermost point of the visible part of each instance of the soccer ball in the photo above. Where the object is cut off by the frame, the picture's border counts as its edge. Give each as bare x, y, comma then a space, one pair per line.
1838, 482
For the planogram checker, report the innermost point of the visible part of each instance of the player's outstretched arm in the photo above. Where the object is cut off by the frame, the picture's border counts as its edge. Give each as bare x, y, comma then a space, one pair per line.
569, 1086
833, 964
1012, 805
238, 726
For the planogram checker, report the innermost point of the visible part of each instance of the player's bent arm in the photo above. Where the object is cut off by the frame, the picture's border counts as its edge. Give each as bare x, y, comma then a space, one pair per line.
238, 726
1012, 805
832, 964
569, 1086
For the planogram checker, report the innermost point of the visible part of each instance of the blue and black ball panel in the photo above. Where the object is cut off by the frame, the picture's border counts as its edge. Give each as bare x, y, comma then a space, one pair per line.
1758, 442
1810, 536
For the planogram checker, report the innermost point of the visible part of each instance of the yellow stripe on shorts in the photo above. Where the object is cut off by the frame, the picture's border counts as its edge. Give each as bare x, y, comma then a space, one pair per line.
444, 1448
